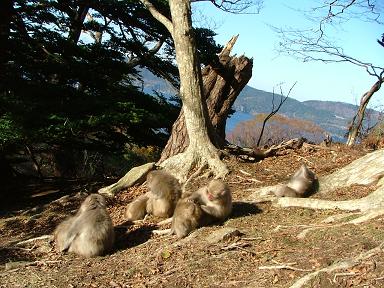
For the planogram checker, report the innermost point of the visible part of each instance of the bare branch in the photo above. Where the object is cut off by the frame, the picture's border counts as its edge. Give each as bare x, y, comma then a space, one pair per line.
274, 110
158, 16
299, 44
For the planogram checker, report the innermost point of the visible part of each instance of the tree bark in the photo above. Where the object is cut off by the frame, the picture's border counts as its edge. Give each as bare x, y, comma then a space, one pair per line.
77, 23
357, 121
200, 152
222, 83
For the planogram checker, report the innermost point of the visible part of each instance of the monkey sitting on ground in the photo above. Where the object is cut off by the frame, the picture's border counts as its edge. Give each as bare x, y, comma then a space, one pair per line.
204, 206
164, 192
89, 232
302, 184
215, 199
137, 209
187, 217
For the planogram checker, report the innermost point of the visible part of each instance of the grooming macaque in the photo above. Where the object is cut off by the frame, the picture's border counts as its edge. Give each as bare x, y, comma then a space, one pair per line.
301, 184
204, 206
88, 233
164, 192
215, 199
137, 209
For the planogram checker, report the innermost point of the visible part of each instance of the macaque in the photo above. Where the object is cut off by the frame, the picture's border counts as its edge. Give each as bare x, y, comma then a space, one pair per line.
164, 192
89, 232
215, 199
187, 217
204, 206
137, 209
301, 184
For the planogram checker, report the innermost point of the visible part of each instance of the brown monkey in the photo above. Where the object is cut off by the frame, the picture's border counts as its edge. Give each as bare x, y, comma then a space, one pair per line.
204, 206
136, 210
301, 184
187, 217
164, 192
88, 233
215, 199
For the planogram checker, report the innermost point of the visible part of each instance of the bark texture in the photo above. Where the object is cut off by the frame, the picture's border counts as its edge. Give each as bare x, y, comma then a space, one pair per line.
357, 120
222, 83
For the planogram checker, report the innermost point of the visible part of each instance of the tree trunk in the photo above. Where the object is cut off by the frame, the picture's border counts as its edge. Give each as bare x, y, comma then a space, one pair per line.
222, 84
77, 23
357, 121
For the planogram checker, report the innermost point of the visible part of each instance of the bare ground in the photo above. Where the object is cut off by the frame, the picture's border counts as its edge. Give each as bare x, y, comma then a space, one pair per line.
268, 253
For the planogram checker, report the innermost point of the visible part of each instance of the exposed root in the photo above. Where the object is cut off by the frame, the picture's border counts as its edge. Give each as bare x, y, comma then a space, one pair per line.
181, 164
364, 217
344, 264
165, 222
134, 176
162, 232
194, 175
373, 201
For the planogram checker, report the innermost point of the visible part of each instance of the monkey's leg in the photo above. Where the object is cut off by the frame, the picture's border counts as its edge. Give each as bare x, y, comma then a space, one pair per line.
211, 211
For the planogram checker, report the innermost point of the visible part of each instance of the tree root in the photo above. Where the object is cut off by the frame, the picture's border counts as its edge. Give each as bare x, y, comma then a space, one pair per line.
326, 224
344, 264
374, 201
132, 177
181, 164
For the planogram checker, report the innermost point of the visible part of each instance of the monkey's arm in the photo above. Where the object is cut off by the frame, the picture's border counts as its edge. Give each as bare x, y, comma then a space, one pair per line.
71, 235
213, 211
196, 196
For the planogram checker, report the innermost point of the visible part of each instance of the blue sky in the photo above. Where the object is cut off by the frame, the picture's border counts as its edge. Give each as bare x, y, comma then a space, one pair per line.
315, 80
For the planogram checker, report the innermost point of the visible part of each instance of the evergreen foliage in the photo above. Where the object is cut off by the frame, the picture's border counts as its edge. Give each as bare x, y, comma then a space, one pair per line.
61, 85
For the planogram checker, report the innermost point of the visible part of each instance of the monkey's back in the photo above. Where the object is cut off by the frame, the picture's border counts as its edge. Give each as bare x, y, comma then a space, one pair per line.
96, 234
187, 217
163, 184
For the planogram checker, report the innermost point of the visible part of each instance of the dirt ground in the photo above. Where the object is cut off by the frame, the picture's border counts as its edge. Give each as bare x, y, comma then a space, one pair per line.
265, 251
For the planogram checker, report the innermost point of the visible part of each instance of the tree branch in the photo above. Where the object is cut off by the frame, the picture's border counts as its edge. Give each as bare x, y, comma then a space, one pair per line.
158, 16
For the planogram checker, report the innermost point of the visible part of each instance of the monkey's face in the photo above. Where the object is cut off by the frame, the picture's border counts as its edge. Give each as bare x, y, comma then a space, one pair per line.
216, 190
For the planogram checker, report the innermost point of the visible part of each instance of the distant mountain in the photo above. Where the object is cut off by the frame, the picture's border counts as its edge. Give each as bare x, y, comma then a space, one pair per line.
333, 117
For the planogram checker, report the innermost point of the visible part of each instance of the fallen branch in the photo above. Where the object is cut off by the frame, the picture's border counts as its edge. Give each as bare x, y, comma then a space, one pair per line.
34, 239
283, 266
238, 245
344, 264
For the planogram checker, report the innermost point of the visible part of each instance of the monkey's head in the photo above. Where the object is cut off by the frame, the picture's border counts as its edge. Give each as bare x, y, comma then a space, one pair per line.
93, 201
216, 190
306, 173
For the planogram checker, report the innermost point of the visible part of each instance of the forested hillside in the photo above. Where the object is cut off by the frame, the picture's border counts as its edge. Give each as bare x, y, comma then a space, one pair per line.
333, 117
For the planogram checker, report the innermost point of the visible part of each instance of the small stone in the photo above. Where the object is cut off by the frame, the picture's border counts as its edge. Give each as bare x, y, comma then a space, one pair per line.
223, 234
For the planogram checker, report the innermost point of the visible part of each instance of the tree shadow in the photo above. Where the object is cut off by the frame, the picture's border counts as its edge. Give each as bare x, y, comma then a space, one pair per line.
241, 209
12, 254
128, 235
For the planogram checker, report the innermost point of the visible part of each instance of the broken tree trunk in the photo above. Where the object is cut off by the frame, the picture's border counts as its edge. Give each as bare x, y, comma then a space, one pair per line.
222, 84
357, 120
